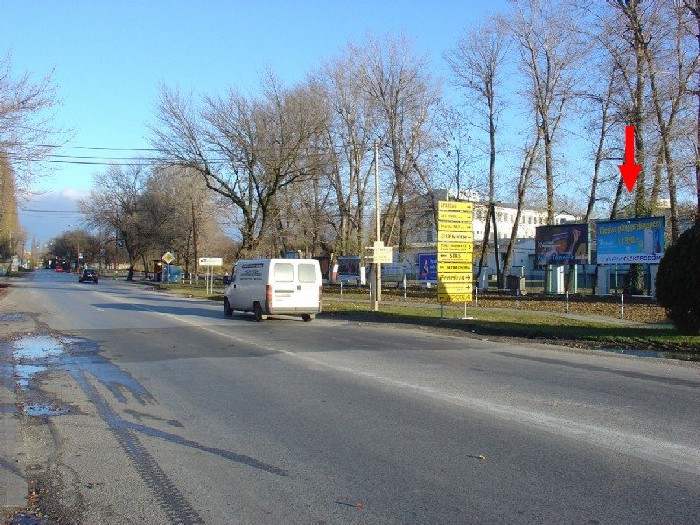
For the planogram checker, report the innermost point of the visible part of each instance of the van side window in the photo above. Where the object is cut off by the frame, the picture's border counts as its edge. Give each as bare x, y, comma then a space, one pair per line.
284, 273
307, 273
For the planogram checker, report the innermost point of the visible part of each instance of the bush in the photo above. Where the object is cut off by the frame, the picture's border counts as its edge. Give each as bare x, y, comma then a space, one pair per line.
678, 282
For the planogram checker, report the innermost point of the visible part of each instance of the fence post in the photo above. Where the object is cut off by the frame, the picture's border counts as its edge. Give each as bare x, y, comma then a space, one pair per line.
622, 305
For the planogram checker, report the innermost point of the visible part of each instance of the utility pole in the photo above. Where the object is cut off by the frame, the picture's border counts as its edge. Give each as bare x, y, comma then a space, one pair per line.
194, 241
499, 273
376, 267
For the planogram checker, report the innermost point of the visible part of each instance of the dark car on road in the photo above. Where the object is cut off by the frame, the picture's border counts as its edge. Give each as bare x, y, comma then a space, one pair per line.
88, 276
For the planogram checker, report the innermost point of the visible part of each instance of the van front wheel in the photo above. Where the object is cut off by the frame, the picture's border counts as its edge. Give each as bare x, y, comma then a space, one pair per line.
257, 312
227, 307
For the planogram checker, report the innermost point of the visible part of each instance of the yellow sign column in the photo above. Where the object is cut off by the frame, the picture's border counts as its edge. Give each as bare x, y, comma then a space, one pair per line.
455, 251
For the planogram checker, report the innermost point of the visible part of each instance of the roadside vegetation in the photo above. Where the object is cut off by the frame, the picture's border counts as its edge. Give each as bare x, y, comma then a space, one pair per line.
637, 324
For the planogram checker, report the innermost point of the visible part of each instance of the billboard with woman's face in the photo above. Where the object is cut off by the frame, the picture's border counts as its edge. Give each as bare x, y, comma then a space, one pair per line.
561, 244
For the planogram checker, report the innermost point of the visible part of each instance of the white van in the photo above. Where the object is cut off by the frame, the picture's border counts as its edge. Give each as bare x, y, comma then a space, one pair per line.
275, 286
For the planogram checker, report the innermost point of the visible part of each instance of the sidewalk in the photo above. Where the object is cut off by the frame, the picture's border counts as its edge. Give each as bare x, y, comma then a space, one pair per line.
13, 484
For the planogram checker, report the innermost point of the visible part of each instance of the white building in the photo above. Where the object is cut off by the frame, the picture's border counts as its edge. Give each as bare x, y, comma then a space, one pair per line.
424, 230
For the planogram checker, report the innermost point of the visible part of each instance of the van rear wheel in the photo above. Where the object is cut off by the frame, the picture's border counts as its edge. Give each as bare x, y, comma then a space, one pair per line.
307, 317
257, 312
227, 307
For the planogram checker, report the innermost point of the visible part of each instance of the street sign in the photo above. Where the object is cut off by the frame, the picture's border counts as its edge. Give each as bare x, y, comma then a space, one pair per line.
168, 257
453, 256
455, 267
455, 251
211, 261
380, 254
455, 205
454, 288
455, 246
456, 278
455, 216
454, 298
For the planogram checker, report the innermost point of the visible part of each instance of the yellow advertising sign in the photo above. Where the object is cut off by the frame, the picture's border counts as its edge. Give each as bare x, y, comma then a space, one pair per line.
454, 298
455, 267
455, 236
455, 278
457, 216
454, 288
455, 246
455, 226
455, 205
454, 256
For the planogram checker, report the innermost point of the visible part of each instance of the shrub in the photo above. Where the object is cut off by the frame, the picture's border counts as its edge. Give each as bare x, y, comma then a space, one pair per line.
678, 282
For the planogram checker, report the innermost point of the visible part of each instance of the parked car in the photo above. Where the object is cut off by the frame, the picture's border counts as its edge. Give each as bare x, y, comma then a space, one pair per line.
88, 276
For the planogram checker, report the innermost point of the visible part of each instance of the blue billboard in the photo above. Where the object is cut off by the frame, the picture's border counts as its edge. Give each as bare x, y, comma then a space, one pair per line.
630, 241
427, 266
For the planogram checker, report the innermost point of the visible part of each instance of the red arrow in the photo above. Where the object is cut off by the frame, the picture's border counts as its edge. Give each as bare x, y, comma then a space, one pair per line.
630, 170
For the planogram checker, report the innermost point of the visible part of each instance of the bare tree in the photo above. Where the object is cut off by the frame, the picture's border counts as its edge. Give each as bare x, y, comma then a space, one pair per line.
353, 126
530, 156
25, 129
245, 149
399, 83
117, 204
670, 71
477, 63
9, 219
693, 7
550, 55
25, 121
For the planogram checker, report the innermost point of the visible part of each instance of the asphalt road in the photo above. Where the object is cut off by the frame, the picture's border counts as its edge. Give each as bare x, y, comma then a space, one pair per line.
132, 406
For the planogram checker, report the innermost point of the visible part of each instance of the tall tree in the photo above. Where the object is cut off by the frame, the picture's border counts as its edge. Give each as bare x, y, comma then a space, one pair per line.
550, 53
9, 219
245, 149
693, 7
477, 63
116, 203
353, 126
406, 94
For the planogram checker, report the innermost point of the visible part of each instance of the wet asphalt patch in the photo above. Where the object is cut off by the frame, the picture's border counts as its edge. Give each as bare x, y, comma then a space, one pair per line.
27, 361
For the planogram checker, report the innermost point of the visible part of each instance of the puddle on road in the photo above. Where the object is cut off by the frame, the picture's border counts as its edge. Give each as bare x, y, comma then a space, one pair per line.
44, 409
36, 347
12, 317
33, 355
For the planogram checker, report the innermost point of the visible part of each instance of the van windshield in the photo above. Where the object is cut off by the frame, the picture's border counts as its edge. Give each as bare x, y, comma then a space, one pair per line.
284, 273
307, 273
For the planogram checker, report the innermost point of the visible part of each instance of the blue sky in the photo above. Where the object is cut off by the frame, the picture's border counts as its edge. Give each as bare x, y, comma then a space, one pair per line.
109, 58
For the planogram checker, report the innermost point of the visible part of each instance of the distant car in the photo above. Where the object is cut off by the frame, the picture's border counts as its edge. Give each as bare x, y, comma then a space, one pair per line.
88, 276
59, 269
